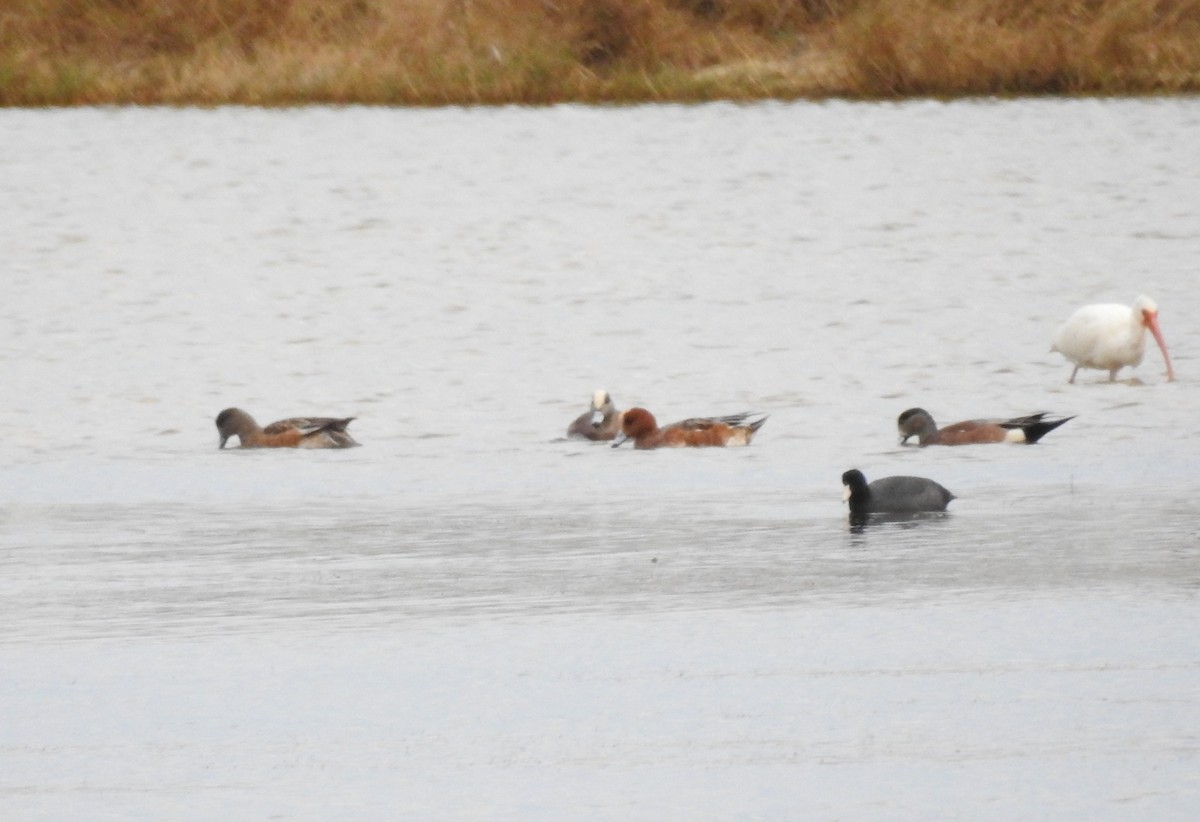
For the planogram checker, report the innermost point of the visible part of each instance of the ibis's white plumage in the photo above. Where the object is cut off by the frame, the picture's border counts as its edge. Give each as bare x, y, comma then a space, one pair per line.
1110, 336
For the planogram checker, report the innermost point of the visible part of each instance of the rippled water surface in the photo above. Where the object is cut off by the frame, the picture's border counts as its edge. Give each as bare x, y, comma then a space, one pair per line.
471, 617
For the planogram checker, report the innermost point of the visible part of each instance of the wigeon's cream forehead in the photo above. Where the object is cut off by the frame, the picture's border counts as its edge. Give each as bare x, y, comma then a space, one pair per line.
600, 398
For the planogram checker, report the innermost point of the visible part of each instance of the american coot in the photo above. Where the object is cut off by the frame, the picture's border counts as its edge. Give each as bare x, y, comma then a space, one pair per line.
1110, 336
916, 422
298, 432
893, 495
639, 425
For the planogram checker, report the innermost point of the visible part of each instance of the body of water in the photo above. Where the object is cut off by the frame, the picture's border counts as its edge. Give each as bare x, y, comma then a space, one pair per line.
472, 617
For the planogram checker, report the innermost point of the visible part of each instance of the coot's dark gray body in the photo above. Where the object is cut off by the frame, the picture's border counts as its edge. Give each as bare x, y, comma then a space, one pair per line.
894, 495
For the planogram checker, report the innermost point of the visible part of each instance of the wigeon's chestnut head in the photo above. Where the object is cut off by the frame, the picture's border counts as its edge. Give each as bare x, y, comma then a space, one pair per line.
638, 422
601, 422
297, 432
917, 422
639, 425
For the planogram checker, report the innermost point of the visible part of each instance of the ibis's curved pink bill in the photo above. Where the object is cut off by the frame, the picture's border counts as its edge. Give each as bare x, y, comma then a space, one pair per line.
1110, 337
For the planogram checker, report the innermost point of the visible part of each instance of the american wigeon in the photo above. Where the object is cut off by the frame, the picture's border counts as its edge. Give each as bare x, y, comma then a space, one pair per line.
298, 432
917, 422
1110, 336
639, 425
893, 495
601, 422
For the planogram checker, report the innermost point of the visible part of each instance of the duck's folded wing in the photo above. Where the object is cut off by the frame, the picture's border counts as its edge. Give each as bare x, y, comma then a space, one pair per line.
308, 424
704, 423
694, 424
1022, 422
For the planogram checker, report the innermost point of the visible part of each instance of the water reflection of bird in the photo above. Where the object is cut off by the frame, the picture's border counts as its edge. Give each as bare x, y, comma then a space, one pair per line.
893, 495
917, 422
1110, 336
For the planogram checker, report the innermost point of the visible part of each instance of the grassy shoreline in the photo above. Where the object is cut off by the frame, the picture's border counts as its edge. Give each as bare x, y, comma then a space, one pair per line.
451, 52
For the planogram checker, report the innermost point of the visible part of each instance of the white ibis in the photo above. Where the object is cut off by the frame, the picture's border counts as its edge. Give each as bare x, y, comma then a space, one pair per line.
1110, 336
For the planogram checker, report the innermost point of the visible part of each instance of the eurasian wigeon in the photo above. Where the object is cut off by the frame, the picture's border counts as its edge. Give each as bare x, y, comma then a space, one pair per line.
892, 495
298, 432
601, 422
917, 422
639, 425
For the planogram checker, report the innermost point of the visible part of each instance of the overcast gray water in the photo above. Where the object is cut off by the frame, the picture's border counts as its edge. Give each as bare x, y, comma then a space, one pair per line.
471, 617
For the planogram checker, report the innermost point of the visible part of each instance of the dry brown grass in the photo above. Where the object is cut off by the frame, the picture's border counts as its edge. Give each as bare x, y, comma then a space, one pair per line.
926, 47
431, 52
